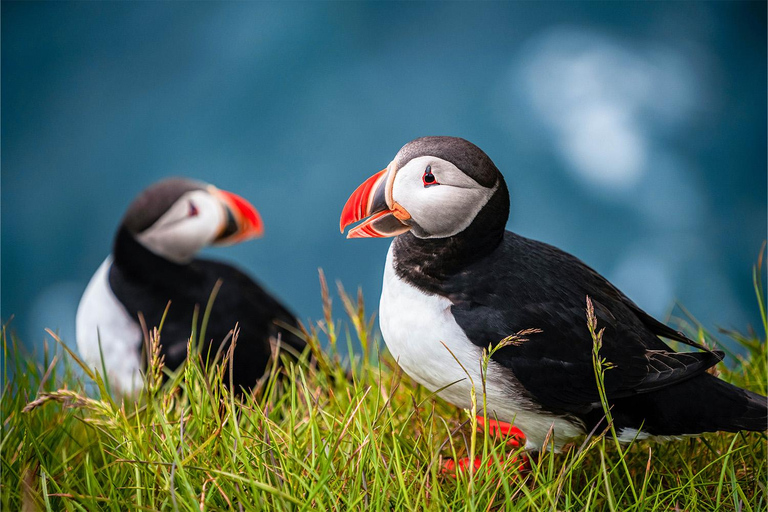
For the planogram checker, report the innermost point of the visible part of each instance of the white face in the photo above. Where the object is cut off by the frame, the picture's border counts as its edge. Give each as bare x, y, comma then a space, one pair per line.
444, 208
193, 222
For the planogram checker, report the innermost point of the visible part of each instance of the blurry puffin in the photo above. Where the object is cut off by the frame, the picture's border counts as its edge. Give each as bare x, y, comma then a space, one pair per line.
454, 275
153, 262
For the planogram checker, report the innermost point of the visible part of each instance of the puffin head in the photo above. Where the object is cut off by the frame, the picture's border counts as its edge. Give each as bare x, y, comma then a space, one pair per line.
177, 217
435, 187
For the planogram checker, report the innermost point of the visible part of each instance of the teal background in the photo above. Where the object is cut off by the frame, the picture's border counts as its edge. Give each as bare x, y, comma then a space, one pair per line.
631, 134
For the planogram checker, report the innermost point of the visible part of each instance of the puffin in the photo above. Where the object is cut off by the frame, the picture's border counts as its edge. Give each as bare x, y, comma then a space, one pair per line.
457, 282
153, 265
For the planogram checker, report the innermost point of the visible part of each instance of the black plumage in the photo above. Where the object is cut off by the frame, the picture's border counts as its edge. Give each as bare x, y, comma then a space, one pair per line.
145, 282
153, 264
500, 283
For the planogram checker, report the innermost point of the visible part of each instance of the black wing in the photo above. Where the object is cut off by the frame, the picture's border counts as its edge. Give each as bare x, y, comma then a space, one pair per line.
526, 284
240, 300
256, 308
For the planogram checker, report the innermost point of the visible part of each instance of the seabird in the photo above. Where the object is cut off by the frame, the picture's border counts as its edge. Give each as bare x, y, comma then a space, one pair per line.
153, 263
456, 282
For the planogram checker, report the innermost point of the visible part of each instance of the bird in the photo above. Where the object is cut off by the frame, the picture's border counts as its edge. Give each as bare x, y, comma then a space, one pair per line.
153, 263
457, 282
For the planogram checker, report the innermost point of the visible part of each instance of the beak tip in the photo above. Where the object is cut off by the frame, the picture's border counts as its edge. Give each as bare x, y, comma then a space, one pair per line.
245, 215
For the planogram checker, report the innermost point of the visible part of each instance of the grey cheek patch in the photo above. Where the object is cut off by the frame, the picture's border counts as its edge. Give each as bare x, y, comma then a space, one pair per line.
444, 210
460, 209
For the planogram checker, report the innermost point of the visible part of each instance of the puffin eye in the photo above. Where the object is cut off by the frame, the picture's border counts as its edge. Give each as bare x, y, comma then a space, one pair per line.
192, 210
429, 178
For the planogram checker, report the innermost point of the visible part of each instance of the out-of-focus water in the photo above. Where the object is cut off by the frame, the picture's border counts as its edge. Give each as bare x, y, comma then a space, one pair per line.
631, 134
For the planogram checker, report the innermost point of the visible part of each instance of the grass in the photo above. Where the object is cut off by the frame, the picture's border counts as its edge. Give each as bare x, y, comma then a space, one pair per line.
339, 435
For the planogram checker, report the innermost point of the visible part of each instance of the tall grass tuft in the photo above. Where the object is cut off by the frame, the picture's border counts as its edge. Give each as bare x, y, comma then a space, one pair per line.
337, 434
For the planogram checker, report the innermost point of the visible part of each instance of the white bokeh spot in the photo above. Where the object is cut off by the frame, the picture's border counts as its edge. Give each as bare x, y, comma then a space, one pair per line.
603, 101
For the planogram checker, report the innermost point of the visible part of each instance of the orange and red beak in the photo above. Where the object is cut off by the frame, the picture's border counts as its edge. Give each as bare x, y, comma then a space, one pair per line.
373, 202
242, 222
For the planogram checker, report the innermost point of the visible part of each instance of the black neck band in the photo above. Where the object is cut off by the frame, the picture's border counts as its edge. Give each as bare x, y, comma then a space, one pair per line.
429, 262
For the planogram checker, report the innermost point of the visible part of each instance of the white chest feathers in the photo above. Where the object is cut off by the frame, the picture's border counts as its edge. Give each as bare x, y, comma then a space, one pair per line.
423, 336
100, 316
414, 324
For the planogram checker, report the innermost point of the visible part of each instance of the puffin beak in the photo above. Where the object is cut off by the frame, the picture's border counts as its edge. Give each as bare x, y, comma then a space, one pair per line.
371, 201
242, 222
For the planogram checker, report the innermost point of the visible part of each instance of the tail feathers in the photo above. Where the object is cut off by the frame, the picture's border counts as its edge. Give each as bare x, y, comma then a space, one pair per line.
702, 404
754, 416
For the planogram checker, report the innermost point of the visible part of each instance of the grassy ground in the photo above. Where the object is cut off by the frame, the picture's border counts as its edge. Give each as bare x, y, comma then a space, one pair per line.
359, 435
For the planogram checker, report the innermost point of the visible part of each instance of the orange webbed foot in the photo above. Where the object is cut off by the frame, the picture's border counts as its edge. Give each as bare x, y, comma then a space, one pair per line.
513, 437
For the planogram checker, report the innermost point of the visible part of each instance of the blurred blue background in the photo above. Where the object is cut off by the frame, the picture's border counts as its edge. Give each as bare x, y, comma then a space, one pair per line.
631, 134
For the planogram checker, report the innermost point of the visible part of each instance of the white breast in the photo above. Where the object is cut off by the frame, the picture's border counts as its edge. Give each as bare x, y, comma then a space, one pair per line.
414, 323
101, 316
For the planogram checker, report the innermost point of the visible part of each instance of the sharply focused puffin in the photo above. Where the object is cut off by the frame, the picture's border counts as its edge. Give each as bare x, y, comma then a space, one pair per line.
153, 262
455, 276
